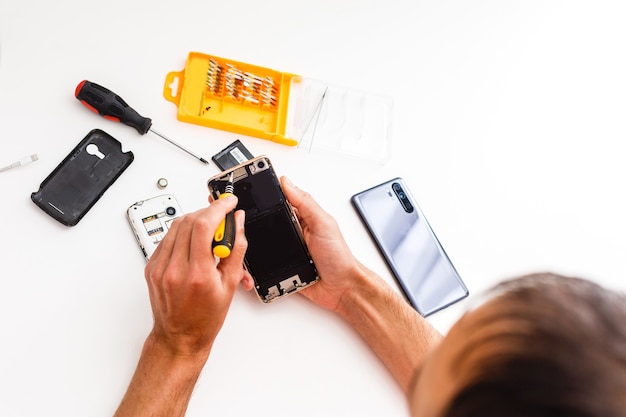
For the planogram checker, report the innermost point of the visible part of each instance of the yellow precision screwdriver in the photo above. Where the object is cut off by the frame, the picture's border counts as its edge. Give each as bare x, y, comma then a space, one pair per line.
224, 238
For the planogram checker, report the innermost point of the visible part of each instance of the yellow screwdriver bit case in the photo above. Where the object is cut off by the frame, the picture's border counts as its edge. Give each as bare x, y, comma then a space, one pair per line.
279, 106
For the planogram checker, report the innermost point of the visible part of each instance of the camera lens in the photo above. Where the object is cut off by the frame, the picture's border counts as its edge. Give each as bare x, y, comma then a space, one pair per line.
261, 164
404, 200
170, 211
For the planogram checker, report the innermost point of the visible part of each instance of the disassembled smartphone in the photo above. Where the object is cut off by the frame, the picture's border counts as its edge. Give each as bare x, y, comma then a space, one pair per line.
151, 220
410, 247
277, 256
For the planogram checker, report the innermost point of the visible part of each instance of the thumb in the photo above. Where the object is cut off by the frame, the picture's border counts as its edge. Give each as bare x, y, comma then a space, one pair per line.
307, 209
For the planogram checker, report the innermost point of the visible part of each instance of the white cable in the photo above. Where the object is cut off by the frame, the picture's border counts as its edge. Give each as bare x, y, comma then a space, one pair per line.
23, 161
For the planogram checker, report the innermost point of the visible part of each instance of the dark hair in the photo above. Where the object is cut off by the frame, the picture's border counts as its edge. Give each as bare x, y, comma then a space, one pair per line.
559, 350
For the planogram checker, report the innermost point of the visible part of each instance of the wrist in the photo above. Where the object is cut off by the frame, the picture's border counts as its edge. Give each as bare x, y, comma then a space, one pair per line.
180, 353
388, 324
367, 289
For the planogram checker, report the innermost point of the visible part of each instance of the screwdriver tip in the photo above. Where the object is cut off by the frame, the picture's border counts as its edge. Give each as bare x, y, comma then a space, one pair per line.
203, 160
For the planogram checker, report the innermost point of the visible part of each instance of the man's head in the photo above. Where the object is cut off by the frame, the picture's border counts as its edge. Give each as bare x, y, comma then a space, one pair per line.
542, 345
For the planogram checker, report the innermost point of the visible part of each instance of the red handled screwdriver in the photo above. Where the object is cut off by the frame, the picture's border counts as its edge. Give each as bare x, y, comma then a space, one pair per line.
112, 107
224, 238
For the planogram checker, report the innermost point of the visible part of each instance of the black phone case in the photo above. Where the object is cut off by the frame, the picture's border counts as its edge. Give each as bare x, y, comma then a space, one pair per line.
78, 182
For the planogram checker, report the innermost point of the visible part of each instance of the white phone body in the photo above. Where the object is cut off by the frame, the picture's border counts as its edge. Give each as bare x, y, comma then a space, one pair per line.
151, 219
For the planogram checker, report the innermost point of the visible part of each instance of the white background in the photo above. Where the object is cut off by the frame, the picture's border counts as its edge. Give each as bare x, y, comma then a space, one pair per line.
508, 124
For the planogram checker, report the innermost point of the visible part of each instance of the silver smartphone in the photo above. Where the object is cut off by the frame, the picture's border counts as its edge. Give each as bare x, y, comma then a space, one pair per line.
410, 247
151, 219
277, 256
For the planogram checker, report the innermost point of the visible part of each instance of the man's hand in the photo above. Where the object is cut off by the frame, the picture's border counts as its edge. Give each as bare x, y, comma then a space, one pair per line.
392, 328
334, 260
190, 291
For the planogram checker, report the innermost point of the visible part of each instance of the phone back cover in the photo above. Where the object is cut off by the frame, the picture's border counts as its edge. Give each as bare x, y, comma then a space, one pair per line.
79, 181
410, 248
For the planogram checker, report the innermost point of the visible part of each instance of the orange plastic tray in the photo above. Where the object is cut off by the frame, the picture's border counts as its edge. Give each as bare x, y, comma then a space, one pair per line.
233, 96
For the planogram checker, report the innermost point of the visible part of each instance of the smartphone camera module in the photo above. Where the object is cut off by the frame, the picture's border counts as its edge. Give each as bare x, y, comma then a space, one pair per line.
170, 211
259, 165
404, 200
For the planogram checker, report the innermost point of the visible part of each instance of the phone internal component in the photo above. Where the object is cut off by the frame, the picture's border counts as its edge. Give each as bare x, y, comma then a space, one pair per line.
291, 284
158, 224
234, 154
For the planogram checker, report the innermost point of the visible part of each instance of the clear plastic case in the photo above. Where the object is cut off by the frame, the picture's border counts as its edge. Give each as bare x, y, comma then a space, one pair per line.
331, 118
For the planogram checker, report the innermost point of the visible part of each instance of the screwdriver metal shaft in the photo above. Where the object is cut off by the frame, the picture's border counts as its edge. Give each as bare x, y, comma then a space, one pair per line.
178, 145
106, 103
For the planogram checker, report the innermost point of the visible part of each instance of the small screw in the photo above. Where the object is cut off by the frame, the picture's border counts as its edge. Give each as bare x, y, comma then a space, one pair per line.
162, 183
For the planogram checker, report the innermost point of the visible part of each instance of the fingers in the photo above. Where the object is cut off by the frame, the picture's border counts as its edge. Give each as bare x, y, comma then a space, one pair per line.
293, 193
186, 254
231, 266
310, 213
205, 222
165, 247
182, 244
247, 281
159, 260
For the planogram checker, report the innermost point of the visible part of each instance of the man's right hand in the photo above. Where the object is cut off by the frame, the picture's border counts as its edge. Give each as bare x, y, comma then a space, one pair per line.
191, 291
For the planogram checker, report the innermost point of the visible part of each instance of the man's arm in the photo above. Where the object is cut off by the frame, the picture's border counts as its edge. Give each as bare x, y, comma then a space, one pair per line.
190, 294
395, 331
163, 382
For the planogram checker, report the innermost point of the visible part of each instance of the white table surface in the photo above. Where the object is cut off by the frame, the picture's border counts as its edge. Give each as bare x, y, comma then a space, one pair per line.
508, 123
